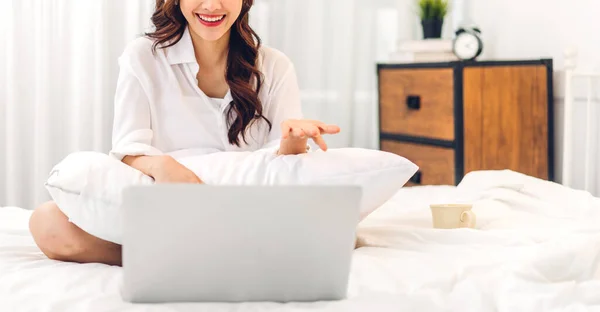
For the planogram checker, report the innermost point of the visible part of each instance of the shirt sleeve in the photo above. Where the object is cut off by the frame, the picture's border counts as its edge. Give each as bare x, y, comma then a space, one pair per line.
284, 103
132, 133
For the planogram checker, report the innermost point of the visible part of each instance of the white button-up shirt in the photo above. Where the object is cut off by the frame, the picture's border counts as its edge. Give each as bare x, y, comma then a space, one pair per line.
160, 109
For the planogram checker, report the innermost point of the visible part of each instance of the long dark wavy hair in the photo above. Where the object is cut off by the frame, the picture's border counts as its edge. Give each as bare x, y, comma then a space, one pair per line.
242, 75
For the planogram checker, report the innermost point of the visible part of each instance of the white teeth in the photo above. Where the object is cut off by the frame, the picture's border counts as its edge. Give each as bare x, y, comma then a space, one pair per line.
211, 19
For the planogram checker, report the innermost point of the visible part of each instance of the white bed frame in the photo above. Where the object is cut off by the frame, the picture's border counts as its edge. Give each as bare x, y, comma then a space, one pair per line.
593, 79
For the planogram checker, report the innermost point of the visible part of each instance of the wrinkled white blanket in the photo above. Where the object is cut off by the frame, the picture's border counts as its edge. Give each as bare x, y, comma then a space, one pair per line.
536, 248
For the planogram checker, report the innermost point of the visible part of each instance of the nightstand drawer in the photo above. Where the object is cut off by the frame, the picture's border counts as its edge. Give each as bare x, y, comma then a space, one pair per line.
417, 102
436, 164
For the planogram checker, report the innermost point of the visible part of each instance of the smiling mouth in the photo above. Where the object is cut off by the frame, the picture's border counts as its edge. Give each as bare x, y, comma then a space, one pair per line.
210, 19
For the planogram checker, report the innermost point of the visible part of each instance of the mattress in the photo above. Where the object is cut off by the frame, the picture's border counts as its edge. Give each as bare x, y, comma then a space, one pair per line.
536, 247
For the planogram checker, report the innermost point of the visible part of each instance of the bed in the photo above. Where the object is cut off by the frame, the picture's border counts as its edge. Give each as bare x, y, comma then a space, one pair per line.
31, 282
536, 247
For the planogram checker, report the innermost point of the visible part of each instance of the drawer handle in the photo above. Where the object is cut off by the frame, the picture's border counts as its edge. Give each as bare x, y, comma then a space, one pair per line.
416, 178
413, 102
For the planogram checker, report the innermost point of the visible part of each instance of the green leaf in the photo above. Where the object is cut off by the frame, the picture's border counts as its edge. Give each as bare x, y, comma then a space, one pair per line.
433, 9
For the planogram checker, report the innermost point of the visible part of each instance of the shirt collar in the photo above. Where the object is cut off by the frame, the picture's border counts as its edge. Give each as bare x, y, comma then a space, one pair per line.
183, 51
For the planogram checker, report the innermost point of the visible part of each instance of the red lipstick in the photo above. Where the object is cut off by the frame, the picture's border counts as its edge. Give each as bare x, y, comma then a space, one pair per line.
211, 20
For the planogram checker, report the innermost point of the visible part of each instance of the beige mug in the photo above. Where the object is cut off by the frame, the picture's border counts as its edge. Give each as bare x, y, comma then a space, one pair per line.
452, 216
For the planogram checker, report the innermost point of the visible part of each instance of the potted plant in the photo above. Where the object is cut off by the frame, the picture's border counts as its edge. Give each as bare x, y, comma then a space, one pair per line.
432, 13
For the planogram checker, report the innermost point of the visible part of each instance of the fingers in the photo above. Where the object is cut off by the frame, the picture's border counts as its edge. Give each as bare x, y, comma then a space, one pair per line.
330, 129
333, 129
314, 132
285, 130
318, 139
314, 129
311, 130
298, 133
325, 128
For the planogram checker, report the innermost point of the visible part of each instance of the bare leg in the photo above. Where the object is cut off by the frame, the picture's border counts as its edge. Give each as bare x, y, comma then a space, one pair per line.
62, 240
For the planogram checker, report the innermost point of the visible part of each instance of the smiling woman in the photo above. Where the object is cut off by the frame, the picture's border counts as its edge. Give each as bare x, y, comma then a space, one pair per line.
201, 80
174, 17
221, 35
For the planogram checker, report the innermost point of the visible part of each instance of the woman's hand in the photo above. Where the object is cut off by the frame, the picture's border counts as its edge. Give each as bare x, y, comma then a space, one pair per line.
296, 132
166, 169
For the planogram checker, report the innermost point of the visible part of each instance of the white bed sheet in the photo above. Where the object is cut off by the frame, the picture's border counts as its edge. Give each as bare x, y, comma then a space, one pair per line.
531, 251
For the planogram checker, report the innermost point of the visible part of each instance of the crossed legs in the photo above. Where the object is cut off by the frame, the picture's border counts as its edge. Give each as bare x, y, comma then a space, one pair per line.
62, 240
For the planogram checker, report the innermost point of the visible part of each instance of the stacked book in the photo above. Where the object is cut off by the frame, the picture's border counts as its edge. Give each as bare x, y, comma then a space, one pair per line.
420, 51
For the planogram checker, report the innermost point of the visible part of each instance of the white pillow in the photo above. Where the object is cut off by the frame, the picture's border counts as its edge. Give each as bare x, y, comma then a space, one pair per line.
87, 186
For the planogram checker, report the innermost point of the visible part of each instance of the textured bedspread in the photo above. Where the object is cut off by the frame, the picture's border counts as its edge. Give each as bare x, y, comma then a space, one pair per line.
536, 248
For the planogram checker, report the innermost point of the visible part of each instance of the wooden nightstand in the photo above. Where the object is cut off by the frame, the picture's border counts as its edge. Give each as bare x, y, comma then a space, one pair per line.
455, 117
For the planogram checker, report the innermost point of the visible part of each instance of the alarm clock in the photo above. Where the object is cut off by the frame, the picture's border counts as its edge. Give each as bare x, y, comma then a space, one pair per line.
467, 45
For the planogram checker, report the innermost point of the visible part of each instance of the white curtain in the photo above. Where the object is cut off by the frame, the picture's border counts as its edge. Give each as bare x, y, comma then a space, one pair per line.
57, 77
335, 45
58, 69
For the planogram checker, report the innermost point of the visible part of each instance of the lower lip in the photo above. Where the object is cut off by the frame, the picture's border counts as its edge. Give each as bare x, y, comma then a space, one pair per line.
210, 24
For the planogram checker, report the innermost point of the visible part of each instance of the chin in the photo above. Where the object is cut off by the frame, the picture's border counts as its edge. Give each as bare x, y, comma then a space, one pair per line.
209, 35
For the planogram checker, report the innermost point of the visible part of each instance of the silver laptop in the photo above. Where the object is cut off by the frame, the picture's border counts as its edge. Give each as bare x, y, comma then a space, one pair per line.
200, 243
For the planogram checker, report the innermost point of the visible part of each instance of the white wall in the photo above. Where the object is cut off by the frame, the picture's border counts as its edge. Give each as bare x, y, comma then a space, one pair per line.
527, 29
512, 30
